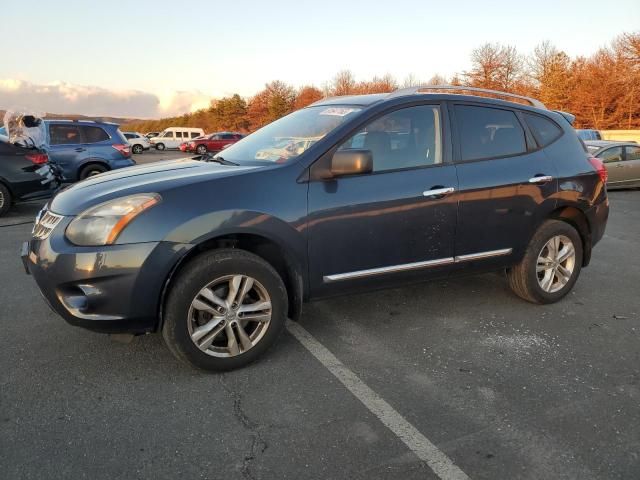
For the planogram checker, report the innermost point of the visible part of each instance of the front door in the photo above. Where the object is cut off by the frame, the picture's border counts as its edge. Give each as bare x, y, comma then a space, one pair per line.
394, 224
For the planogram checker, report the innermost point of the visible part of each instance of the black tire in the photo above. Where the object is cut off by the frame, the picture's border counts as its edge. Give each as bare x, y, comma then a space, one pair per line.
523, 278
5, 199
137, 149
91, 170
201, 149
160, 146
197, 274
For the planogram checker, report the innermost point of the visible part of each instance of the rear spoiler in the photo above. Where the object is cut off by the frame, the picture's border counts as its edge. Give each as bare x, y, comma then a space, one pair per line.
567, 116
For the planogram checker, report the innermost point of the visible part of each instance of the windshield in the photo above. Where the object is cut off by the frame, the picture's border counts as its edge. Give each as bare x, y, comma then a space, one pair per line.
290, 136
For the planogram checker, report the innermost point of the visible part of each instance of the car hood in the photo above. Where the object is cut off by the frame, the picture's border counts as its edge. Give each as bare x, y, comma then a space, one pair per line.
151, 178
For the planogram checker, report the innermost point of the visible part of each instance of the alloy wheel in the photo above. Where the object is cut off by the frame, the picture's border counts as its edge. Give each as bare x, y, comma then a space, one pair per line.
229, 316
556, 263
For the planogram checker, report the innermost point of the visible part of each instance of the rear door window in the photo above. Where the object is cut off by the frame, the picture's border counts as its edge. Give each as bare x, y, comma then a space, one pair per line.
94, 134
485, 132
178, 134
227, 136
64, 134
544, 130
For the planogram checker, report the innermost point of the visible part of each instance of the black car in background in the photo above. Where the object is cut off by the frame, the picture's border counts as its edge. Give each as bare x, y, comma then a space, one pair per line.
349, 194
18, 178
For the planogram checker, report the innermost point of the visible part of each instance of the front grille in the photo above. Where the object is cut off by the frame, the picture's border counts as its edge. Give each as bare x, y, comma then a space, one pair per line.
45, 223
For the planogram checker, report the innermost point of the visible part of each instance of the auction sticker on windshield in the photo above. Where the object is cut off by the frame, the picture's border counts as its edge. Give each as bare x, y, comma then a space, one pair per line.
338, 111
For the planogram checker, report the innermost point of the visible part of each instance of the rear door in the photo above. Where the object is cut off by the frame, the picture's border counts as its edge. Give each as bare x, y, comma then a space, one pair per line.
632, 161
227, 138
67, 148
613, 161
507, 184
99, 143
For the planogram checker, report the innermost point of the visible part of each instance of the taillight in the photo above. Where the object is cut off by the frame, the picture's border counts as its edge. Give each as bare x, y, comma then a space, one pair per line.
600, 168
125, 150
37, 158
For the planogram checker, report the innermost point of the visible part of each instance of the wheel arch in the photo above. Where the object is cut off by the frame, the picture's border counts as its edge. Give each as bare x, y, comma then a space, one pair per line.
578, 220
91, 161
288, 267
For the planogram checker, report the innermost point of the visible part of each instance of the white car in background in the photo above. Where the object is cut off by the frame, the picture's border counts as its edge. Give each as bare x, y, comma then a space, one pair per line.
172, 137
139, 143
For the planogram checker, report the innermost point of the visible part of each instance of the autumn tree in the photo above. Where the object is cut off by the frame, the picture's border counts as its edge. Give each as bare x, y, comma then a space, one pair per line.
275, 101
306, 96
230, 113
550, 72
496, 67
343, 83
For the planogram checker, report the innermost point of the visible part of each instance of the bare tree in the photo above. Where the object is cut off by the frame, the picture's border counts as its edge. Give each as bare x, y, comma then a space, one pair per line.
343, 83
437, 79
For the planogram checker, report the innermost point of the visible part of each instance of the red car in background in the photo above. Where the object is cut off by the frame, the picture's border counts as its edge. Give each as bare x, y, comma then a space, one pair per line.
213, 142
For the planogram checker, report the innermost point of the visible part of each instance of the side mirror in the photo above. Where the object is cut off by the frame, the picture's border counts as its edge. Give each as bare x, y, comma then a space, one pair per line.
351, 162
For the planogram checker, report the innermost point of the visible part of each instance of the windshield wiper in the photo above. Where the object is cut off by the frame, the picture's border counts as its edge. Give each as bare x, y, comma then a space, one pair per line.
218, 159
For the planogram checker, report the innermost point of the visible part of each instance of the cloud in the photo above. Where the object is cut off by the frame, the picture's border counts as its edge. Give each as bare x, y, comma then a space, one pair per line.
61, 97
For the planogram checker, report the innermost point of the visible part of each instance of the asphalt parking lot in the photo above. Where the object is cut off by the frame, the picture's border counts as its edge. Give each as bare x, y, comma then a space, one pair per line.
503, 388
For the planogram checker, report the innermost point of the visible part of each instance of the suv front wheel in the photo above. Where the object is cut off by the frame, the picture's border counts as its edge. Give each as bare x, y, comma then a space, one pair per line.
225, 309
551, 265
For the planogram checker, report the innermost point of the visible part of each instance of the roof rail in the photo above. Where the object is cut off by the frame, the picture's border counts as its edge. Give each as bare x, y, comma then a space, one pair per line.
460, 91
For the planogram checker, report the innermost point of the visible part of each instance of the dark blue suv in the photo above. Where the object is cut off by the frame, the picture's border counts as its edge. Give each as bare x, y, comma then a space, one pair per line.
349, 194
85, 148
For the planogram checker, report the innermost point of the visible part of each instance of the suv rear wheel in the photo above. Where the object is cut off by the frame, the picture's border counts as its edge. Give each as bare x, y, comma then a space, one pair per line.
225, 309
551, 265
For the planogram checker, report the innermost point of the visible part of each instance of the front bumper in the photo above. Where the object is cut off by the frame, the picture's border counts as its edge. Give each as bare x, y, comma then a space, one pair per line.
109, 289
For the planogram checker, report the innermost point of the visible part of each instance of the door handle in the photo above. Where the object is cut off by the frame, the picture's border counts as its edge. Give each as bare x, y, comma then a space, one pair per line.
81, 149
437, 192
541, 179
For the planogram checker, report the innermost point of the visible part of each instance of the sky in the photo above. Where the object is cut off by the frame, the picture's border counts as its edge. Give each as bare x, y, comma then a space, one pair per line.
158, 58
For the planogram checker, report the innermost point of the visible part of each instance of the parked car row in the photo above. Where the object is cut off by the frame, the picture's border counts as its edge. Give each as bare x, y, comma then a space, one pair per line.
172, 137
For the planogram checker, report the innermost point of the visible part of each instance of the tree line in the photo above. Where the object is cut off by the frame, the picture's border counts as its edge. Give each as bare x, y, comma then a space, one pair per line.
601, 90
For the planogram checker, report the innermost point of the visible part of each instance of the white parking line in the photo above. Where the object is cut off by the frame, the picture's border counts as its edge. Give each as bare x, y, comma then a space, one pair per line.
442, 465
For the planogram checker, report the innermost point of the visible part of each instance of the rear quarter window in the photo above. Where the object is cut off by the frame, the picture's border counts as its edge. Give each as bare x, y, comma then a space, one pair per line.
544, 130
485, 132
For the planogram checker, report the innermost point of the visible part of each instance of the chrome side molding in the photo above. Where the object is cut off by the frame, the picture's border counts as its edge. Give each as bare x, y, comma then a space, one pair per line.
482, 255
415, 265
395, 268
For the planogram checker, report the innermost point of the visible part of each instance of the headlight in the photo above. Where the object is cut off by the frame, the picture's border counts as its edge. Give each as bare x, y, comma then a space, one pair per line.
101, 225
